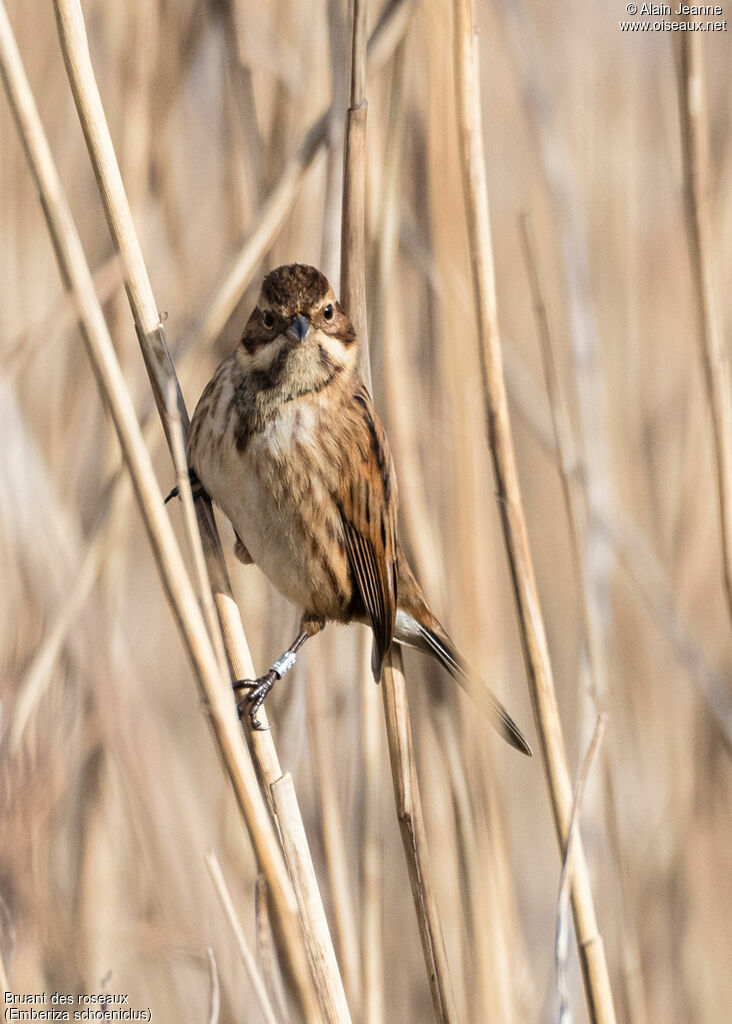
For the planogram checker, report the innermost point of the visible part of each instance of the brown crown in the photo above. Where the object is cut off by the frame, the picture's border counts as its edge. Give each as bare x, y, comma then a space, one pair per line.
295, 287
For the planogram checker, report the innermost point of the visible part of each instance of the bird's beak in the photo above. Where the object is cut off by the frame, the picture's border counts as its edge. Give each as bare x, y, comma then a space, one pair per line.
298, 329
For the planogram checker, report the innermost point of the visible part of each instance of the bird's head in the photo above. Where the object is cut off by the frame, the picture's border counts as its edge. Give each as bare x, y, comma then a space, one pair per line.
298, 338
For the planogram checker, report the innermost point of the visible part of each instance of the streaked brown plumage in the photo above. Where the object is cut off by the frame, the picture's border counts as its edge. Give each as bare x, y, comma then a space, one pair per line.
285, 439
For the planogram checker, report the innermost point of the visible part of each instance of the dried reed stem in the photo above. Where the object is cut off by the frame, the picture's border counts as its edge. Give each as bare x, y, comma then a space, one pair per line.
215, 689
715, 360
652, 588
387, 227
566, 457
193, 536
265, 947
414, 837
250, 964
63, 316
334, 843
561, 935
585, 348
315, 925
353, 297
633, 553
371, 734
372, 850
575, 501
330, 251
3, 977
230, 289
215, 999
117, 495
533, 637
353, 224
34, 684
396, 709
227, 293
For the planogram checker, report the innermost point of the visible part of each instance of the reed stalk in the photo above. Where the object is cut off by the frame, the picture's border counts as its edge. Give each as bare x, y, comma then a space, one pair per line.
372, 873
247, 957
700, 234
645, 576
561, 932
513, 520
334, 841
396, 708
353, 223
353, 297
414, 837
575, 503
227, 293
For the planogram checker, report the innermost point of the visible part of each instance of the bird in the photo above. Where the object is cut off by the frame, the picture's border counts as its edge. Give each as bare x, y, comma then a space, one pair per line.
286, 441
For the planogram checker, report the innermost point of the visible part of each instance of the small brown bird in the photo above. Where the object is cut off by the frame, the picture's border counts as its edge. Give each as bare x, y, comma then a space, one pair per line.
285, 439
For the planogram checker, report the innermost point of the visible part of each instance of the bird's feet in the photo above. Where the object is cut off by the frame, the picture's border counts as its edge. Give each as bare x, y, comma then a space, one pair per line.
257, 689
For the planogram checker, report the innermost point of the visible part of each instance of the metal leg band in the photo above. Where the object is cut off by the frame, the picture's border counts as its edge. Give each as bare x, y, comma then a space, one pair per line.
284, 663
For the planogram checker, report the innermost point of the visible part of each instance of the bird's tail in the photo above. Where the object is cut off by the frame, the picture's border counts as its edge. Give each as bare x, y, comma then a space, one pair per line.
435, 641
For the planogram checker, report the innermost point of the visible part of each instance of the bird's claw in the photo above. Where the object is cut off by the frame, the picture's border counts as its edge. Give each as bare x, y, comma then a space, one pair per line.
254, 698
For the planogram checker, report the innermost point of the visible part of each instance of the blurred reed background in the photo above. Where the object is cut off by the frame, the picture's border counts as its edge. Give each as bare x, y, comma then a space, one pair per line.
111, 791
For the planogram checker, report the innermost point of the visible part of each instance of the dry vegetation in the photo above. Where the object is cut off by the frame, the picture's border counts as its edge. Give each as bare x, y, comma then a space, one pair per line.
111, 791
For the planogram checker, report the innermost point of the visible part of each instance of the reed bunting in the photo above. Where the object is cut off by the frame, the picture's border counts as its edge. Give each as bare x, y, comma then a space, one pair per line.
285, 439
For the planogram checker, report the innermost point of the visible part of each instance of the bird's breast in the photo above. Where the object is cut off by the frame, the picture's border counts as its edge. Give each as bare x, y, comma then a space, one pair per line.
278, 493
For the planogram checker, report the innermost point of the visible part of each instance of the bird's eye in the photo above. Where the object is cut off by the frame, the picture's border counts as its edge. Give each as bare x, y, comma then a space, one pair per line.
267, 319
328, 312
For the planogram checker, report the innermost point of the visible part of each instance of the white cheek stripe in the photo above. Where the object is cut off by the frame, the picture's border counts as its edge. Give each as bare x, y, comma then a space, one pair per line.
267, 353
334, 347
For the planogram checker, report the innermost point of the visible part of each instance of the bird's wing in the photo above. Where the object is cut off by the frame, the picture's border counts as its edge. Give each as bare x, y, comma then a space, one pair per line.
367, 501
